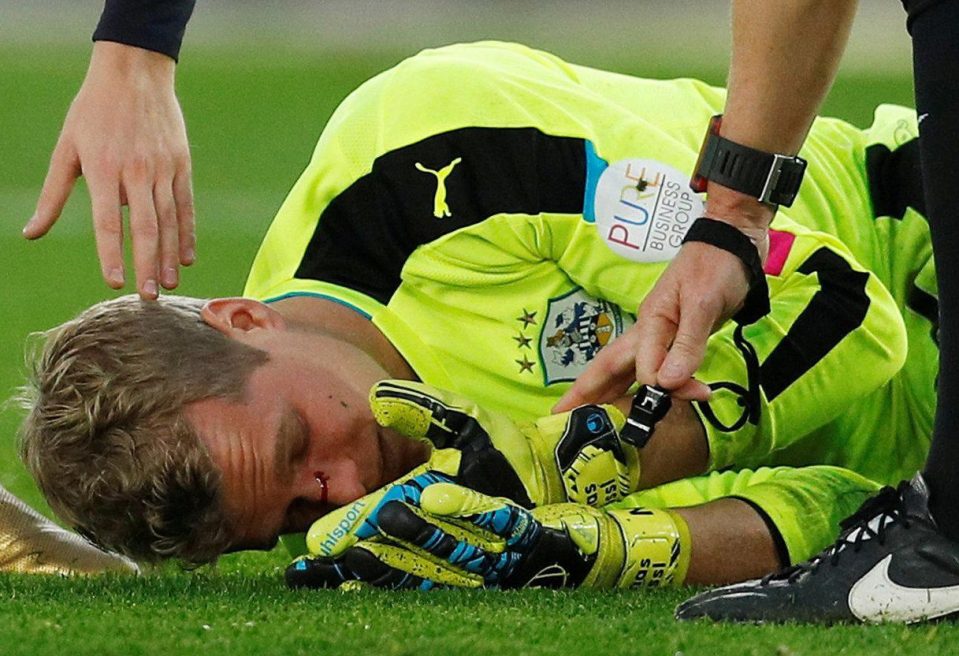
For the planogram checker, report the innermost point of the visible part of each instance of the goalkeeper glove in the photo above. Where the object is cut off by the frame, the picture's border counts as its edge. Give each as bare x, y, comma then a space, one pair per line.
576, 456
454, 536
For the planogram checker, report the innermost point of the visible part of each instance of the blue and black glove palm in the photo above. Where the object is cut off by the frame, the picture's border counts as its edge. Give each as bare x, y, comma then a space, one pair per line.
446, 535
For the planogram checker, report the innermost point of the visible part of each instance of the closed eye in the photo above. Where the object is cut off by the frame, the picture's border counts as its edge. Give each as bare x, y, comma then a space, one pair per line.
292, 446
301, 440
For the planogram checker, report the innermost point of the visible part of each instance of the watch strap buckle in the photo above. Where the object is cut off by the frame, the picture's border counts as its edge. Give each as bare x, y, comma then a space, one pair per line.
778, 190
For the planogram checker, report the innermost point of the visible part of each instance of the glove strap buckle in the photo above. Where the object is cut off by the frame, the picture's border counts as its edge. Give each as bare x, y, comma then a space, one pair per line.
650, 405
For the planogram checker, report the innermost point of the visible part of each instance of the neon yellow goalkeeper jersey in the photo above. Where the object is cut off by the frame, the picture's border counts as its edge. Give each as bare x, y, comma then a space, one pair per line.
499, 214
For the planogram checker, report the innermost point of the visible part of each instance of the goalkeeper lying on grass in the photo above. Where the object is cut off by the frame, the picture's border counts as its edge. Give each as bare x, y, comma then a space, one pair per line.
483, 218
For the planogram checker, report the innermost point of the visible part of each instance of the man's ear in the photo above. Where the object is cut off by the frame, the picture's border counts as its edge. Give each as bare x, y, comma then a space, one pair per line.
234, 316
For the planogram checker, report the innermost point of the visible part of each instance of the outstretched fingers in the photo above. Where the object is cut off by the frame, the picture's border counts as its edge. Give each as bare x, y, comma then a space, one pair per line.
443, 535
446, 545
498, 520
166, 213
185, 214
386, 565
107, 226
371, 563
57, 187
310, 572
145, 232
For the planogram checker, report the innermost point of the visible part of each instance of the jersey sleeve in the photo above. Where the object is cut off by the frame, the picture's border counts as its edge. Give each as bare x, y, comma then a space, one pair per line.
156, 25
833, 336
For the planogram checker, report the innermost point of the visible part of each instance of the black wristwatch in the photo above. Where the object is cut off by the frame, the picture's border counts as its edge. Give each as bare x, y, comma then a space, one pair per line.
773, 179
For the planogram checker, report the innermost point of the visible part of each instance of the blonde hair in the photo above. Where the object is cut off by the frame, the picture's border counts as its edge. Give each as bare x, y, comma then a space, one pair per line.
105, 435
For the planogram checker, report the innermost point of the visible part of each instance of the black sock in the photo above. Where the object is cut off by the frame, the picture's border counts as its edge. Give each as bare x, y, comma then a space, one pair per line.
935, 35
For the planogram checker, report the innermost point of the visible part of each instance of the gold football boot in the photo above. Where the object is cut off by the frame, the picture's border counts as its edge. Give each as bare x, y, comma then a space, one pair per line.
32, 544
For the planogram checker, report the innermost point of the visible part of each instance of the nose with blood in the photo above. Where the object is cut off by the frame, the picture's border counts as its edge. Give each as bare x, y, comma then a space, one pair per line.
323, 480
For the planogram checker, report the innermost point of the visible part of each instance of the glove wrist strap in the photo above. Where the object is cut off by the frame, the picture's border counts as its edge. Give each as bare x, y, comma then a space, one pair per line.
655, 547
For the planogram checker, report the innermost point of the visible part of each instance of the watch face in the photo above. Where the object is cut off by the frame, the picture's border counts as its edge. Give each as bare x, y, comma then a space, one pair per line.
643, 208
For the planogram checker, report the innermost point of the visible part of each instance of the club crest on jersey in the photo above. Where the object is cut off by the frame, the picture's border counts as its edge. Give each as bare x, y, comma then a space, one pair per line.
575, 328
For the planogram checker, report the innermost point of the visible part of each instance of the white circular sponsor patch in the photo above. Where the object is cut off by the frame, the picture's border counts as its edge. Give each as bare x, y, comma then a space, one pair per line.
643, 209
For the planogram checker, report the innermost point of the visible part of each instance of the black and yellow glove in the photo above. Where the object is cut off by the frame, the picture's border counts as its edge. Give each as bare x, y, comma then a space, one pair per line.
455, 536
575, 456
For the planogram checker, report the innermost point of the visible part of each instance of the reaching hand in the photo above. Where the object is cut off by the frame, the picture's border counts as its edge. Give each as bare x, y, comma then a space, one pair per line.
700, 289
125, 134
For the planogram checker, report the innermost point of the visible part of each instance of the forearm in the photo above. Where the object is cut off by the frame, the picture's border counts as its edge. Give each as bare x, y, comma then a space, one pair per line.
833, 336
155, 25
678, 449
784, 58
742, 524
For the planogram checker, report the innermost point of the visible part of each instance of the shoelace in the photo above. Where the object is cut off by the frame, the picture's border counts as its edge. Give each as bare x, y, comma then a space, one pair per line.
869, 522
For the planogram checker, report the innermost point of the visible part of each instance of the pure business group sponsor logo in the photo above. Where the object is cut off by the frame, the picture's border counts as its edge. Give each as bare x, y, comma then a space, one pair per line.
642, 208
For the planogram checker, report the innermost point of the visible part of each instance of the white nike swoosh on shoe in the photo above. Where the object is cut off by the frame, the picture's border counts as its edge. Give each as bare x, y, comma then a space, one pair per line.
877, 598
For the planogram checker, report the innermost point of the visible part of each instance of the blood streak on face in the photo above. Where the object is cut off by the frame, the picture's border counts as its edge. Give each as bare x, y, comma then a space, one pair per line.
322, 479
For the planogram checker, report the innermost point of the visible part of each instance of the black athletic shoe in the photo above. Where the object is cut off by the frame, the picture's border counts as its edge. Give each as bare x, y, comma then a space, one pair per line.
890, 564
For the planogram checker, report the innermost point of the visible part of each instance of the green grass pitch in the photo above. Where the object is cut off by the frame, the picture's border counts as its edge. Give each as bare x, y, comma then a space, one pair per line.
253, 122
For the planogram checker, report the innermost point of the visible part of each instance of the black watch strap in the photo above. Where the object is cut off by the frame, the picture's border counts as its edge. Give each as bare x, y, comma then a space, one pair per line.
729, 238
771, 178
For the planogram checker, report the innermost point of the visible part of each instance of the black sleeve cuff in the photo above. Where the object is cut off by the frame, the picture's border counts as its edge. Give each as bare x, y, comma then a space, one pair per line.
156, 25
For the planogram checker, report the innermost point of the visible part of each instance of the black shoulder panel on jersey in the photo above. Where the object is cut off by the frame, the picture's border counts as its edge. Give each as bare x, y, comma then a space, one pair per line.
837, 309
418, 193
895, 179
